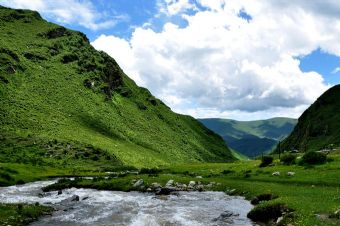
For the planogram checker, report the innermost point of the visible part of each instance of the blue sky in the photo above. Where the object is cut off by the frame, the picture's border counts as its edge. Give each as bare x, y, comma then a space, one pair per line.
214, 58
327, 65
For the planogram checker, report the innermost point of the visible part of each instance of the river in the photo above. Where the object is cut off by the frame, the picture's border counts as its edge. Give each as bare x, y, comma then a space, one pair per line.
115, 208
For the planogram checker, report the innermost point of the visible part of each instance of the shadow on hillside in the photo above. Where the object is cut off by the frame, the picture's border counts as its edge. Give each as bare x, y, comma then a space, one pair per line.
98, 126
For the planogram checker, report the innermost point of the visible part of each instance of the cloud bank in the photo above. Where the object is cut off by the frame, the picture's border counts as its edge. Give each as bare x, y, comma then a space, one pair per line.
68, 12
225, 65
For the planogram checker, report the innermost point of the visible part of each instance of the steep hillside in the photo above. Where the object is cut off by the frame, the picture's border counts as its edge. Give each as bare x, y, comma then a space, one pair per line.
63, 102
319, 126
251, 138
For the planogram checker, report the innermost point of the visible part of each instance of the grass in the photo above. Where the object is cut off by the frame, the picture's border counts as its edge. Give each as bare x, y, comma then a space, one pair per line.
21, 214
55, 87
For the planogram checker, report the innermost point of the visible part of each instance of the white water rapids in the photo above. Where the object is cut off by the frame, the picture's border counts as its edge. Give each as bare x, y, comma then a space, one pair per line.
114, 208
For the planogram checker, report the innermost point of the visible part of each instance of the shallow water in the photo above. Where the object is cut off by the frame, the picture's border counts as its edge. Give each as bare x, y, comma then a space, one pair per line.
132, 208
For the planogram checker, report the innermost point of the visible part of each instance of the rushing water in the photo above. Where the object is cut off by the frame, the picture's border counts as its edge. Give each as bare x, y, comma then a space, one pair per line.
132, 208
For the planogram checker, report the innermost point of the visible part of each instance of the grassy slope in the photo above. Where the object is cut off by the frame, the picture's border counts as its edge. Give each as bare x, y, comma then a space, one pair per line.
58, 93
251, 138
238, 155
319, 126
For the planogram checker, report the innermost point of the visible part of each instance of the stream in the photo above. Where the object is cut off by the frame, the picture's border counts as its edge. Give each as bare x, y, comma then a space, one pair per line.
131, 208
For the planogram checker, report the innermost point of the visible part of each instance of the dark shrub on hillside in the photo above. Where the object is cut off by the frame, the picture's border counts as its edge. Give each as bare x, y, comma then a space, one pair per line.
56, 33
266, 160
152, 100
150, 171
266, 212
313, 158
36, 57
141, 106
68, 58
263, 197
288, 159
227, 171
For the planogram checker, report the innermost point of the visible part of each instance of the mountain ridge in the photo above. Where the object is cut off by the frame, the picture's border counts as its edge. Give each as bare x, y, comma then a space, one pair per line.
58, 93
318, 126
251, 138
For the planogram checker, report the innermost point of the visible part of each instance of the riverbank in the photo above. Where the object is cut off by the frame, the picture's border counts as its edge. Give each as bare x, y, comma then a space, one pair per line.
22, 214
312, 192
83, 207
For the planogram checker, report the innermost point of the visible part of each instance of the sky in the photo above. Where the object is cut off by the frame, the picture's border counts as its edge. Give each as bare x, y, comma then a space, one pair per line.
237, 59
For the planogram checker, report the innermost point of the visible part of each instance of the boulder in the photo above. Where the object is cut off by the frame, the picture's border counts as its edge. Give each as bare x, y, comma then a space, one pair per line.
73, 198
165, 191
155, 185
200, 187
60, 192
290, 174
226, 217
170, 183
277, 173
138, 183
192, 184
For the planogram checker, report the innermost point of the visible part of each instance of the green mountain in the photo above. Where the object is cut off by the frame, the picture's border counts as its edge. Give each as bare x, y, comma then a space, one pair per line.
64, 103
251, 138
319, 126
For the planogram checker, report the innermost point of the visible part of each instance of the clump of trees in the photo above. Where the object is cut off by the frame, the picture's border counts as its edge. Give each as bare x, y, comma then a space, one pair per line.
266, 160
313, 158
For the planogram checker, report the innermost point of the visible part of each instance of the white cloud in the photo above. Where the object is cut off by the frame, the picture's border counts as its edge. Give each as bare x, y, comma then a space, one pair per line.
336, 70
78, 12
223, 65
121, 51
173, 7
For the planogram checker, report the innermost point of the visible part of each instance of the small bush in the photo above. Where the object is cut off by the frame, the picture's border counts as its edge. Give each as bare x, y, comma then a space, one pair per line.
266, 212
35, 56
227, 171
288, 159
56, 33
5, 176
68, 58
149, 171
313, 158
20, 182
266, 160
263, 197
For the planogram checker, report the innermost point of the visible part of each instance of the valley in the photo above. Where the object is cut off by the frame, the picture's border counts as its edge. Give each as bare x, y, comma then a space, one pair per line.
81, 143
251, 138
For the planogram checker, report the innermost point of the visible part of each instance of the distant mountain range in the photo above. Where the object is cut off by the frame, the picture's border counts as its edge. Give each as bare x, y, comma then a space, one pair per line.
319, 126
251, 138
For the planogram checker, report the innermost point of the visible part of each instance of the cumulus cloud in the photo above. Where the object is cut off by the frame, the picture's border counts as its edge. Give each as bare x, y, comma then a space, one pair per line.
173, 7
78, 12
221, 64
336, 70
